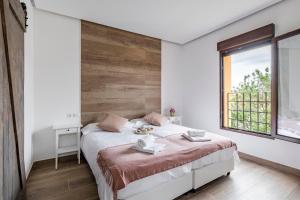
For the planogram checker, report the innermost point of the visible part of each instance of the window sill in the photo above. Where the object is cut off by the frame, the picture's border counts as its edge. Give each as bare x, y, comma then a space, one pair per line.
249, 133
288, 139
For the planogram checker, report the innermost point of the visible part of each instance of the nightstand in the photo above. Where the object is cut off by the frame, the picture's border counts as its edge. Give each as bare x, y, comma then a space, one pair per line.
175, 120
70, 129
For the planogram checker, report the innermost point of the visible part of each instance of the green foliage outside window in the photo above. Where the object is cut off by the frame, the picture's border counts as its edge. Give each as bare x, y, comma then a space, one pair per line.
250, 103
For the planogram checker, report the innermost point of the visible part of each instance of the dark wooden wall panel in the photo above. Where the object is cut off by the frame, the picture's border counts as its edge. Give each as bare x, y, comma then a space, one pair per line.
120, 73
15, 41
12, 99
11, 178
2, 65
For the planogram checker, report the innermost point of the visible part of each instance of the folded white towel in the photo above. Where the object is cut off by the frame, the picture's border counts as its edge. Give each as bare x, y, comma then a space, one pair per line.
146, 141
196, 138
155, 148
138, 124
194, 133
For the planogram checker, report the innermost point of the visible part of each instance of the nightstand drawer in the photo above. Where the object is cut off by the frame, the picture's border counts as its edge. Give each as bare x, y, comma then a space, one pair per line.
67, 131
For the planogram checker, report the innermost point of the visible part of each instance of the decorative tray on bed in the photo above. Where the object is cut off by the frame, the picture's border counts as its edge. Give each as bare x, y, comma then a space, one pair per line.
144, 131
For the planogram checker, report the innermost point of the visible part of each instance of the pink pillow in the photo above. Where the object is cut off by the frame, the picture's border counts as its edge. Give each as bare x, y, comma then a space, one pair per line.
155, 119
113, 123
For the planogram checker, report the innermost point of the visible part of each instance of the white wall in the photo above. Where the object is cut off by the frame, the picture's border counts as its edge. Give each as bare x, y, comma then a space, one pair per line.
56, 78
28, 88
171, 77
201, 83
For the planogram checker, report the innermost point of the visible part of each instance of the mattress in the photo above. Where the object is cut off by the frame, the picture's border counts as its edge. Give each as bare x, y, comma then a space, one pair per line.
97, 140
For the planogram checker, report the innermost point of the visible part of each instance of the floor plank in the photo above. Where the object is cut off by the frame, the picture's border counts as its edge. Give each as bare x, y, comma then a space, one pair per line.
247, 182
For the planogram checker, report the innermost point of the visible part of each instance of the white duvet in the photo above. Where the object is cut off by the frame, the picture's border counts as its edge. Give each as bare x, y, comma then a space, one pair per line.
96, 140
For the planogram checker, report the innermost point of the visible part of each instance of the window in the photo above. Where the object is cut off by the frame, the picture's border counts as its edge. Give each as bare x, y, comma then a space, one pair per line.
247, 90
288, 62
246, 82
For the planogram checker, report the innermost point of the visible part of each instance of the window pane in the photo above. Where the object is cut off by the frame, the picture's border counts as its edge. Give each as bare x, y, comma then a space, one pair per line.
254, 127
241, 125
247, 116
262, 117
254, 116
247, 96
263, 128
247, 90
240, 106
254, 106
289, 90
247, 106
233, 124
232, 106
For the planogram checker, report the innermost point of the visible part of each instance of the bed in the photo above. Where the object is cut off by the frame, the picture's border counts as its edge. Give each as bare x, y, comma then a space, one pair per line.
165, 185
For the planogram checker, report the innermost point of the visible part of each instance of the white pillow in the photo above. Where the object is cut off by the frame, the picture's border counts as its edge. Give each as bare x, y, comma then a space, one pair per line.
139, 122
90, 128
129, 124
93, 127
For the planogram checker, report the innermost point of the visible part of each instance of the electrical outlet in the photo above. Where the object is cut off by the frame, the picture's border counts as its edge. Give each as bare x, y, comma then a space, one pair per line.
69, 115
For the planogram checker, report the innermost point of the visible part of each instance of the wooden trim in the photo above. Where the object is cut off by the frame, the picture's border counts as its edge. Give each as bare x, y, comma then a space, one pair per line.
247, 47
18, 12
221, 90
287, 35
271, 164
261, 34
5, 8
14, 8
274, 88
248, 132
287, 138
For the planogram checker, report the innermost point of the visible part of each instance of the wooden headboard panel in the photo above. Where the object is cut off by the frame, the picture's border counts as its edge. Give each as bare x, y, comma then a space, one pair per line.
120, 73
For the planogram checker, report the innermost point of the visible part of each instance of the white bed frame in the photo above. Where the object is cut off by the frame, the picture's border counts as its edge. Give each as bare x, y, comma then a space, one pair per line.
181, 185
209, 173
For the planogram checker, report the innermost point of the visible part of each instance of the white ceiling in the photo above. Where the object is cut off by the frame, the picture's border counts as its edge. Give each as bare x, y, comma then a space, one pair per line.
177, 21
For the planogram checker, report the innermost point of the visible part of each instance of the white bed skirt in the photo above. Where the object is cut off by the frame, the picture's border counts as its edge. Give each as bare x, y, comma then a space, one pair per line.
178, 186
211, 172
167, 191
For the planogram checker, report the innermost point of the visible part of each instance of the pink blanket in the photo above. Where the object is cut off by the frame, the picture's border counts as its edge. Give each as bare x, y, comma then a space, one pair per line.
122, 165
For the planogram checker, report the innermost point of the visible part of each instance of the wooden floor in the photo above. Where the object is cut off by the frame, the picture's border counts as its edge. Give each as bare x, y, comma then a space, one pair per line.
249, 181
